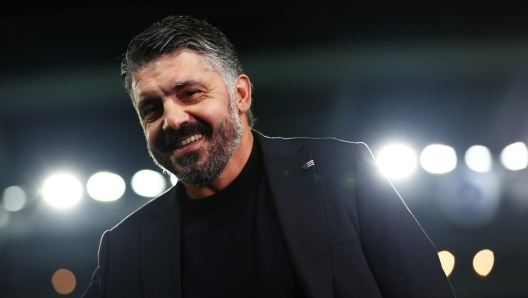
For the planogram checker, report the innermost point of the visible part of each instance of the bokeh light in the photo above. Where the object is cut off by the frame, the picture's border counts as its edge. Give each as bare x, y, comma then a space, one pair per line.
14, 198
447, 260
397, 161
478, 158
483, 262
438, 159
148, 183
63, 281
105, 186
514, 157
173, 179
62, 190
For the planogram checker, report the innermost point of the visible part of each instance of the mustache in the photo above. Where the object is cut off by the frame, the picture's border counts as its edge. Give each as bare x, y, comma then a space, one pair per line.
172, 135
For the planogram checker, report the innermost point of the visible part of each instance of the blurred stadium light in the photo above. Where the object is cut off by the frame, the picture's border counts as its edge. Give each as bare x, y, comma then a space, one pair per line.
14, 198
148, 183
62, 190
438, 159
105, 186
447, 260
173, 179
63, 281
483, 262
397, 161
514, 157
478, 158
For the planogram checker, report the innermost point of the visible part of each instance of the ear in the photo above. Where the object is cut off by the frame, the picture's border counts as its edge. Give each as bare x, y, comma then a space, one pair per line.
243, 93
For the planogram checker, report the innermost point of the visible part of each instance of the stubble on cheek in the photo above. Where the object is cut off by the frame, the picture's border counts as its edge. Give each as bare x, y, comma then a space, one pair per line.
208, 161
162, 159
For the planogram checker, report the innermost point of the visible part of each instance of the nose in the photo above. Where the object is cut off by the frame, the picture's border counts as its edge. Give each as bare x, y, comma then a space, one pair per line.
174, 117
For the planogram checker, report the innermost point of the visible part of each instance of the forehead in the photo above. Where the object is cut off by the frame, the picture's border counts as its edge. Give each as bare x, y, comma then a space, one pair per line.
168, 70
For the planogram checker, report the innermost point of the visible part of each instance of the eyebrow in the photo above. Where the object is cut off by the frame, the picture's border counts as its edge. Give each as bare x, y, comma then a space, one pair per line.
178, 86
181, 85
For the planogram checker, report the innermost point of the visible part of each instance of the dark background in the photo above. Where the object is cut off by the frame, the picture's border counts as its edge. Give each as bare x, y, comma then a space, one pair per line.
416, 72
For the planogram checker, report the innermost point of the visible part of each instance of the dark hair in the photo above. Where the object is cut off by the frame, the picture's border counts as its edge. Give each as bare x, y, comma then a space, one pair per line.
175, 33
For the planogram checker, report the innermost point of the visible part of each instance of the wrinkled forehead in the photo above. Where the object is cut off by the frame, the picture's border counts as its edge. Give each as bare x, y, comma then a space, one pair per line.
169, 69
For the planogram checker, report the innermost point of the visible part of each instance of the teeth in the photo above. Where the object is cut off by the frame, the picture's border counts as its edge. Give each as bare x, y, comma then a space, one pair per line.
190, 139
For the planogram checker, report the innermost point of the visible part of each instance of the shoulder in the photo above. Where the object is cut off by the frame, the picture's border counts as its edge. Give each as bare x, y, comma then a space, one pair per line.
324, 146
146, 212
329, 142
306, 140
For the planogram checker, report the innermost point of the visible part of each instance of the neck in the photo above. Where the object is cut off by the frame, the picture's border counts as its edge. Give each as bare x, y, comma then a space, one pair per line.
232, 170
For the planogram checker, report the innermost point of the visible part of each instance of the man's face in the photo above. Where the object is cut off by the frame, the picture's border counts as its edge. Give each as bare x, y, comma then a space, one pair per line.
191, 124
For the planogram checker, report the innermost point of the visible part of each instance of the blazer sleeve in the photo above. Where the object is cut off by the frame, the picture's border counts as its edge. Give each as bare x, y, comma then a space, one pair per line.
401, 257
97, 287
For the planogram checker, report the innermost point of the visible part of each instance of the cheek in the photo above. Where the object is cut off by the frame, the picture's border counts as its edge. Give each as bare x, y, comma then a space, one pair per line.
207, 115
218, 113
151, 137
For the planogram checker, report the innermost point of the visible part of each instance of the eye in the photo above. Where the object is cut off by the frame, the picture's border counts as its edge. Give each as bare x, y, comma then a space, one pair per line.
151, 112
190, 93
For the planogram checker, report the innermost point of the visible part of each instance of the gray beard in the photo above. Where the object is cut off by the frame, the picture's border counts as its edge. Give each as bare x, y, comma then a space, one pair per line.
222, 144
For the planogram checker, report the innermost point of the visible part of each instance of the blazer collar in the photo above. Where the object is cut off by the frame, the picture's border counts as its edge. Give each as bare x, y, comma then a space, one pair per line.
297, 198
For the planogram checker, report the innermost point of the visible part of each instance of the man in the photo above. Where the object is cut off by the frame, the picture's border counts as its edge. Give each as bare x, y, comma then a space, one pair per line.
251, 216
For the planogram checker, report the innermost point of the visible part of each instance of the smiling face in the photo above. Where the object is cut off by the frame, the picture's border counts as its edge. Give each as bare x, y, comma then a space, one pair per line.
191, 123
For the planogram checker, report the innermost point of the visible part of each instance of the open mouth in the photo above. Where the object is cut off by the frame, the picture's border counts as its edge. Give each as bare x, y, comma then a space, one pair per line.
188, 141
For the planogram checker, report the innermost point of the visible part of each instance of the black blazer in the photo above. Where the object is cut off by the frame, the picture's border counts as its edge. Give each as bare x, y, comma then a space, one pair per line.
347, 231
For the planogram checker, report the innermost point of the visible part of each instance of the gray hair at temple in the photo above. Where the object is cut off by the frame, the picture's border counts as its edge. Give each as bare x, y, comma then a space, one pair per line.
175, 33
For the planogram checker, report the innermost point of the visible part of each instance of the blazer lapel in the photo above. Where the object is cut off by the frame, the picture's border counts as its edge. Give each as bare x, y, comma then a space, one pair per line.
297, 198
160, 249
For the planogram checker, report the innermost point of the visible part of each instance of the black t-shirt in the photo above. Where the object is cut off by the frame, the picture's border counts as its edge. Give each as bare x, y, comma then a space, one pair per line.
232, 243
